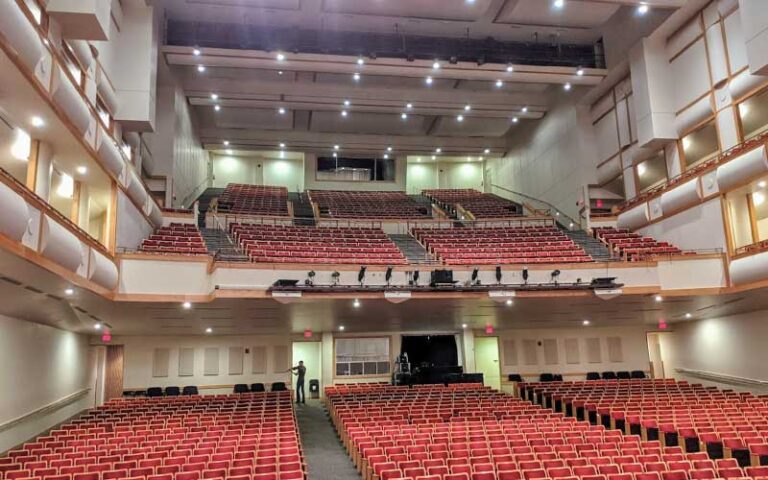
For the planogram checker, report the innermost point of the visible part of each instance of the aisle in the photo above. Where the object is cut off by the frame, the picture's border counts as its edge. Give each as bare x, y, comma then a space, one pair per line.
325, 455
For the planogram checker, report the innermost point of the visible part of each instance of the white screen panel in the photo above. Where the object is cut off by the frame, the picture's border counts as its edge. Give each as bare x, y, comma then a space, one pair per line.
160, 359
259, 360
186, 362
615, 350
211, 361
594, 354
530, 355
510, 353
572, 355
550, 351
235, 358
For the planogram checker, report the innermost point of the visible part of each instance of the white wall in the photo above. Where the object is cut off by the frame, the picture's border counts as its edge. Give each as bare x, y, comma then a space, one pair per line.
288, 173
132, 226
553, 158
421, 176
41, 366
310, 182
190, 161
284, 173
461, 175
731, 345
633, 341
698, 228
139, 356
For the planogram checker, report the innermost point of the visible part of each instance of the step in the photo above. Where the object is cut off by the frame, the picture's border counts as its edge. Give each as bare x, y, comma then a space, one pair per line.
594, 247
222, 246
413, 251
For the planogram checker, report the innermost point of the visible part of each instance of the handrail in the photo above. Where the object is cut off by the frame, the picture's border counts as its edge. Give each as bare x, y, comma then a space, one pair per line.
558, 212
48, 209
719, 159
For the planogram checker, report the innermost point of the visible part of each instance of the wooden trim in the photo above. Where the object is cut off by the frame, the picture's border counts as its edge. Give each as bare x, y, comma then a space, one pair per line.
74, 208
32, 165
111, 220
688, 45
695, 101
752, 219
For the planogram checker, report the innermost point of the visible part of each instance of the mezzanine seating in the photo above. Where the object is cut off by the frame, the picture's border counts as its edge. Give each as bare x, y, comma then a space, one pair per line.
634, 246
294, 244
382, 205
501, 245
254, 200
469, 432
480, 205
235, 437
179, 238
697, 418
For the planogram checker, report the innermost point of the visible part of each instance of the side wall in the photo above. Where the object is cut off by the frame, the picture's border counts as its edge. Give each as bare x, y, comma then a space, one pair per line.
288, 173
42, 367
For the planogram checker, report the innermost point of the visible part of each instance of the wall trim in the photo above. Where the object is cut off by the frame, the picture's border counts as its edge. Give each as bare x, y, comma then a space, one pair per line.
722, 377
46, 409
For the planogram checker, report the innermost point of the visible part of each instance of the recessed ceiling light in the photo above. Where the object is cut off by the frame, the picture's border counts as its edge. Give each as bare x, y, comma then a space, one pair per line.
438, 150
460, 118
436, 65
658, 298
525, 109
226, 142
356, 77
434, 157
37, 122
356, 303
429, 80
515, 119
409, 106
585, 322
280, 57
341, 327
386, 156
418, 159
69, 292
463, 325
347, 103
688, 315
217, 107
196, 52
580, 72
214, 97
97, 326
480, 158
336, 147
82, 170
558, 3
389, 149
344, 113
229, 151
282, 145
487, 151
762, 184
499, 84
360, 61
509, 302
201, 68
208, 330
642, 9
404, 115
280, 72
281, 111
567, 86
187, 305
510, 69
467, 107
335, 155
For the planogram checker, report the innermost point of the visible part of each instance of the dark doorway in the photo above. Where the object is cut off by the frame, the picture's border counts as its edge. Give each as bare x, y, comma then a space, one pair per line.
431, 350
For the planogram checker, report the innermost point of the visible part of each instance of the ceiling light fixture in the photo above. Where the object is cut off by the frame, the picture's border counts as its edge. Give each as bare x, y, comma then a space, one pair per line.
336, 147
409, 106
659, 298
280, 57
196, 52
436, 65
217, 107
585, 322
282, 145
762, 184
347, 103
386, 156
214, 97
201, 68
97, 326
404, 116
510, 69
515, 119
335, 155
281, 111
460, 118
642, 9
356, 303
37, 122
209, 330
509, 302
499, 84
487, 151
344, 113
558, 3
463, 325
389, 149
360, 61
280, 72
688, 315
525, 109
187, 305
580, 72
82, 170
356, 77
434, 157
467, 107
226, 142
341, 328
429, 80
567, 86
69, 292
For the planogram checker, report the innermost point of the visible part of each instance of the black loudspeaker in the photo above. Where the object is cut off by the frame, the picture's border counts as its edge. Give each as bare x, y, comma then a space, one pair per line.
285, 283
472, 378
441, 277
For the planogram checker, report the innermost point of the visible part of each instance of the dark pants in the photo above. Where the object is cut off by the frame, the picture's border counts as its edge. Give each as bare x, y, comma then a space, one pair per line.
300, 397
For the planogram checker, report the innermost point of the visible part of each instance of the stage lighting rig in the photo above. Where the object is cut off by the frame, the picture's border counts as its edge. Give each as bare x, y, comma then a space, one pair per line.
388, 275
335, 278
498, 274
525, 275
310, 278
361, 275
555, 275
475, 274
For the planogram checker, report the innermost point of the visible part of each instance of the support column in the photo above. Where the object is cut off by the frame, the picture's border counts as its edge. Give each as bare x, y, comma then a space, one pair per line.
754, 21
328, 361
40, 170
82, 202
109, 234
654, 97
469, 350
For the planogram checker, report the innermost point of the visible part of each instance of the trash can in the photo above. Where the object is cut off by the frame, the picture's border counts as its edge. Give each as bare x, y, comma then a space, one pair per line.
314, 388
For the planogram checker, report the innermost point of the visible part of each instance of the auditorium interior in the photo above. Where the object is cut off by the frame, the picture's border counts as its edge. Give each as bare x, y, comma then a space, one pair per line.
383, 239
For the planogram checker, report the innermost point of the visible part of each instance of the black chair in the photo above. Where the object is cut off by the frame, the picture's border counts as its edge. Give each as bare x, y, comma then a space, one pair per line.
279, 387
638, 374
593, 376
546, 377
557, 377
190, 390
154, 392
608, 375
241, 388
623, 375
258, 387
514, 377
172, 391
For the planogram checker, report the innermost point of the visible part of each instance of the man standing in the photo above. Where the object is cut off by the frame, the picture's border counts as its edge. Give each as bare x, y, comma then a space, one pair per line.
300, 371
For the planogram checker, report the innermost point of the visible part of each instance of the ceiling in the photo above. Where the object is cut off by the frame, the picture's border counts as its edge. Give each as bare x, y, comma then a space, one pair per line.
266, 95
31, 293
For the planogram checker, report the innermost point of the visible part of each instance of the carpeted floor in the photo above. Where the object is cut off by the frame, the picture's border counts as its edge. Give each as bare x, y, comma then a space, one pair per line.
325, 455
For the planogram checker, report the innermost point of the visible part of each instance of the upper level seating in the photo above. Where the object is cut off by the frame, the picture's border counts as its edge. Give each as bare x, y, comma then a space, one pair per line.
342, 204
480, 205
251, 436
633, 245
502, 245
294, 244
254, 200
471, 432
733, 420
182, 238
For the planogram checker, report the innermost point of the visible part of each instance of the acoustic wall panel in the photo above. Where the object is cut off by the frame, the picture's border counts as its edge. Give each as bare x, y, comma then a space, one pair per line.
615, 350
681, 197
718, 63
153, 212
15, 216
622, 119
510, 353
135, 187
60, 245
107, 93
550, 351
736, 44
683, 37
609, 169
594, 354
606, 136
66, 96
186, 362
691, 74
634, 218
280, 358
236, 355
572, 354
160, 359
102, 270
109, 154
749, 269
83, 52
742, 169
694, 114
211, 361
601, 107
530, 355
20, 34
259, 360
744, 83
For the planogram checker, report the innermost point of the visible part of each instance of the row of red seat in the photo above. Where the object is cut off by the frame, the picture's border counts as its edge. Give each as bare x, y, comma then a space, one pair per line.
294, 244
479, 434
254, 200
480, 205
346, 204
176, 238
244, 437
632, 245
501, 245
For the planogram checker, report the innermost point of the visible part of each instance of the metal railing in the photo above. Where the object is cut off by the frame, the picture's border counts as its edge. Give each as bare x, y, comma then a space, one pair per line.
543, 206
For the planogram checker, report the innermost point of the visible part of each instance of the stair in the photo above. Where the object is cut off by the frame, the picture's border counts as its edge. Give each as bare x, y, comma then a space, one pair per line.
423, 202
204, 201
594, 247
303, 214
221, 245
414, 252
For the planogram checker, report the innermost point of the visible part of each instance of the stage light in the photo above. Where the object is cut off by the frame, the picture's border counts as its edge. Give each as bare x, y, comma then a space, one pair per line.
509, 302
201, 68
415, 277
688, 315
498, 274
310, 278
388, 275
567, 86
585, 322
196, 52
186, 305
463, 325
335, 278
642, 9
356, 77
361, 275
525, 275
356, 303
428, 80
510, 69
554, 276
475, 273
